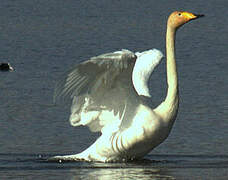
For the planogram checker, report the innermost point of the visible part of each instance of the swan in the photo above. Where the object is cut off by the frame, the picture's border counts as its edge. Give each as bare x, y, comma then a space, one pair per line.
110, 94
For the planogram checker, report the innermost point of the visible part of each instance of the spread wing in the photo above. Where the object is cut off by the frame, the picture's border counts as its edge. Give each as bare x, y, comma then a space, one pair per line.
101, 91
99, 84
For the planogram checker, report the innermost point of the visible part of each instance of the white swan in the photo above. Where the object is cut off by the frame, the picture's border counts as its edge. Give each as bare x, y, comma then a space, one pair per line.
109, 94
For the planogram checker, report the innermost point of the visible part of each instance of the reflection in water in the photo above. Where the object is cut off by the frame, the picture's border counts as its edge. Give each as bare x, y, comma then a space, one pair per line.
155, 167
120, 173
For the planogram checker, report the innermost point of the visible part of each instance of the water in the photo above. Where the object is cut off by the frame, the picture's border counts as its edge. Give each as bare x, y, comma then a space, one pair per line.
42, 39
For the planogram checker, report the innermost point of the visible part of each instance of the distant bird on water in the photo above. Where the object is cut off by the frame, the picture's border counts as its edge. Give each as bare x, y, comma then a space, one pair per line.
109, 93
6, 67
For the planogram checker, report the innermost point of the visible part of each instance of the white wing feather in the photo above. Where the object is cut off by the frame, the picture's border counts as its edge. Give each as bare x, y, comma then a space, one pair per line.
101, 89
144, 66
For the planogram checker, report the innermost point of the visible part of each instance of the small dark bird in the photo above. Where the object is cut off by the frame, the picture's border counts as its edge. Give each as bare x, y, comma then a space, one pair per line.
6, 67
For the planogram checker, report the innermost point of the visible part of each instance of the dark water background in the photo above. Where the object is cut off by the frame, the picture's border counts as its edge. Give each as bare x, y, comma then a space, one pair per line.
42, 39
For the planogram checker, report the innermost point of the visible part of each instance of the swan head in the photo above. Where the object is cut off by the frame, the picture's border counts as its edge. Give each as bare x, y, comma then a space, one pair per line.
178, 18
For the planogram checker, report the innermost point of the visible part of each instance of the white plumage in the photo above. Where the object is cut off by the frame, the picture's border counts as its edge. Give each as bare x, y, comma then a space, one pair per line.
144, 66
106, 92
109, 94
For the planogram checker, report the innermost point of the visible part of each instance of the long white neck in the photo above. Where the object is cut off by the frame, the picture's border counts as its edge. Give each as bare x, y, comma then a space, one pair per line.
168, 109
172, 93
